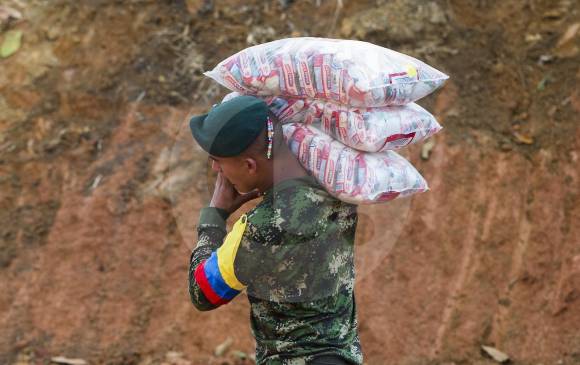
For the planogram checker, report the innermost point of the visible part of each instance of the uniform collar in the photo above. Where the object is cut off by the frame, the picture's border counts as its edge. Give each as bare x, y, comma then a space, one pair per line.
293, 182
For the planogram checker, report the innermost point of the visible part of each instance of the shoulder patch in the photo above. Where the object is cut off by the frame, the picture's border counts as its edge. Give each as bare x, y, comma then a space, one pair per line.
226, 254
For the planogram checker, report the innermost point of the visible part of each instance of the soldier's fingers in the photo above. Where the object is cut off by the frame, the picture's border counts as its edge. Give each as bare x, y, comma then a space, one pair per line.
227, 182
223, 184
219, 179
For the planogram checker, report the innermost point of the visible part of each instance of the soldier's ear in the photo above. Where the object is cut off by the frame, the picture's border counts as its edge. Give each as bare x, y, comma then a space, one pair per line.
251, 165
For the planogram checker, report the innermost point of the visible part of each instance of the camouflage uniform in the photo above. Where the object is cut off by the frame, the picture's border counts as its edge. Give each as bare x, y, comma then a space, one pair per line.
296, 261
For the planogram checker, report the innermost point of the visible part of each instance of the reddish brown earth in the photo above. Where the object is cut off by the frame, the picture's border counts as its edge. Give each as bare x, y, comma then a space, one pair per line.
101, 183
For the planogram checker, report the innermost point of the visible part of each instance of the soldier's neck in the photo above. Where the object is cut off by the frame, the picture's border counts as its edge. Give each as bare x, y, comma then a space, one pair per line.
284, 167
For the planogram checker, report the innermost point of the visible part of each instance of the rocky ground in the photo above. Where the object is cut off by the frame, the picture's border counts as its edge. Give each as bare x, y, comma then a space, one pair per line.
100, 183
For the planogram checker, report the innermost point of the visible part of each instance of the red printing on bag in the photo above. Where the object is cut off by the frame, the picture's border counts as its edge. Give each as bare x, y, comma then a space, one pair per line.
324, 155
234, 83
342, 125
288, 71
341, 75
245, 67
329, 173
401, 139
326, 120
395, 76
263, 63
317, 62
326, 76
360, 168
305, 76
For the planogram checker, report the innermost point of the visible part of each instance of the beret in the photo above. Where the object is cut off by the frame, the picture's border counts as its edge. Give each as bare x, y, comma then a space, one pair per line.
230, 127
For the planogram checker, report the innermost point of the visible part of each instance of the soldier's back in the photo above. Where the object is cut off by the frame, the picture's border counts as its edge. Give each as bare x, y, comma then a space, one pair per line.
297, 258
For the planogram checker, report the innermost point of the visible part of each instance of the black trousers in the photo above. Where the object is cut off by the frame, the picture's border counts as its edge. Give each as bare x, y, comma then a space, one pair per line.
329, 360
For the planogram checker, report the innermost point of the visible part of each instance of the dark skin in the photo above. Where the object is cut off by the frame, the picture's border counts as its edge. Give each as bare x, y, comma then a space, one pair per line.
245, 177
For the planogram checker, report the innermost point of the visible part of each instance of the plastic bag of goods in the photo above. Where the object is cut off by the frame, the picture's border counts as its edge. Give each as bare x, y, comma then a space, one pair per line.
365, 129
350, 175
349, 72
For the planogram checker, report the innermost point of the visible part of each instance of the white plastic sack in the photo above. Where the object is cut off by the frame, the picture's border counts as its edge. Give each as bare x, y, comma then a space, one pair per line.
350, 175
365, 129
349, 72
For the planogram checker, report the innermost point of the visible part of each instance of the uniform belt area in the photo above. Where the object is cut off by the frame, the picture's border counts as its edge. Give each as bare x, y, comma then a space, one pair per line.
329, 360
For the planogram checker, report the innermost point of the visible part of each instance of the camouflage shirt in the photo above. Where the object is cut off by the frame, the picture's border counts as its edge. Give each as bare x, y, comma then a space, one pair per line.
294, 255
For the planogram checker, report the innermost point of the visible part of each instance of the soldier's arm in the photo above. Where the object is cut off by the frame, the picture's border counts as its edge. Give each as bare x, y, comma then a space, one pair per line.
211, 231
211, 265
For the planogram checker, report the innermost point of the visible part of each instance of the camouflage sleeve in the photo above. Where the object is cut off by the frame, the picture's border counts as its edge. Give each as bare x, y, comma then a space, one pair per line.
252, 259
211, 232
261, 232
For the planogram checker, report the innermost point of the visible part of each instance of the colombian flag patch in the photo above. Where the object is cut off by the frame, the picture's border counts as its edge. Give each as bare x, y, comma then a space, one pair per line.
215, 276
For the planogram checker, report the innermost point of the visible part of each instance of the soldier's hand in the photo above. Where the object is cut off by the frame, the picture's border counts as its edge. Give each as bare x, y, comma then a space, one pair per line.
226, 197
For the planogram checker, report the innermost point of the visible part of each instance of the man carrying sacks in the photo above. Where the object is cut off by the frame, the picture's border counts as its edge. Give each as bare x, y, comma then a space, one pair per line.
293, 253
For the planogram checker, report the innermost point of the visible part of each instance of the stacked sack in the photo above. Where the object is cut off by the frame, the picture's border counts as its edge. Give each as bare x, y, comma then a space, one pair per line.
346, 105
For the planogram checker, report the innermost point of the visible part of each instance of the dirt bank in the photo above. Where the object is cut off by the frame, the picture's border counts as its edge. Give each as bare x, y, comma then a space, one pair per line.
100, 183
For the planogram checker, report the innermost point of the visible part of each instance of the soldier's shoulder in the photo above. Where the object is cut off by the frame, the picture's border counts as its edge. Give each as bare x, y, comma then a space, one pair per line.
300, 207
261, 223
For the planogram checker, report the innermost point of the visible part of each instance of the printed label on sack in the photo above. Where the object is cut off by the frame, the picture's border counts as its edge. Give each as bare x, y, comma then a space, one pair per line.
393, 77
326, 76
342, 126
289, 75
329, 174
327, 115
232, 82
263, 64
305, 76
341, 167
344, 81
246, 68
360, 174
398, 140
293, 107
317, 62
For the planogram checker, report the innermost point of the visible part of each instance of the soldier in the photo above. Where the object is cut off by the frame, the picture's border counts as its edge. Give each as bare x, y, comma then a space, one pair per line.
293, 253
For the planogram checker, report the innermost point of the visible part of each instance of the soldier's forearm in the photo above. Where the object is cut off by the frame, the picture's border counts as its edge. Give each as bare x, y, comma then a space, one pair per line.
211, 232
211, 228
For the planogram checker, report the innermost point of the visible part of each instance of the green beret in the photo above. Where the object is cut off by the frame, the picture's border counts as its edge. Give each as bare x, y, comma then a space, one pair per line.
230, 127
